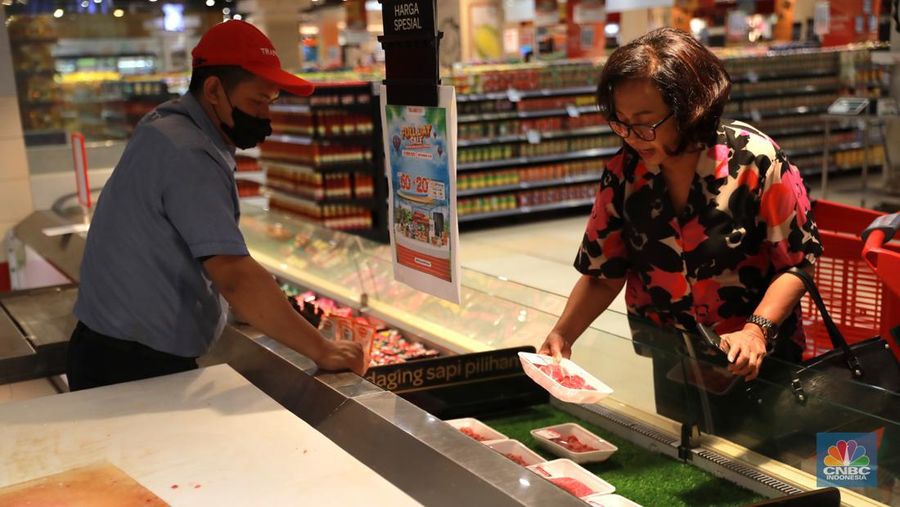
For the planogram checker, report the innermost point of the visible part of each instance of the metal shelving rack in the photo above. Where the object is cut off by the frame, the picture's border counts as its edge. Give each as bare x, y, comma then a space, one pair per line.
305, 152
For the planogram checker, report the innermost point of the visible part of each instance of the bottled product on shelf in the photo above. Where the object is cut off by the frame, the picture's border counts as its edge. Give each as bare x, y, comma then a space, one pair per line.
32, 39
542, 199
533, 76
345, 217
101, 106
320, 161
478, 182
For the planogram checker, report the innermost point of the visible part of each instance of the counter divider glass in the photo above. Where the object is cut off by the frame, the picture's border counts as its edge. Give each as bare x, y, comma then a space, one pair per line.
664, 380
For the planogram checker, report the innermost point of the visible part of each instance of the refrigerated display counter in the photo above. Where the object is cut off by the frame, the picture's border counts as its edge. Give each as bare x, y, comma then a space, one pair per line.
377, 424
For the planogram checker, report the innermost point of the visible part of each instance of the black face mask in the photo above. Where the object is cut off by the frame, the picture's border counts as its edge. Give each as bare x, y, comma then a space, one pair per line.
248, 130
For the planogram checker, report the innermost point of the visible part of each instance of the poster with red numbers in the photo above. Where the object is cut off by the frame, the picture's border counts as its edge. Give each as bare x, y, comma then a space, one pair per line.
420, 160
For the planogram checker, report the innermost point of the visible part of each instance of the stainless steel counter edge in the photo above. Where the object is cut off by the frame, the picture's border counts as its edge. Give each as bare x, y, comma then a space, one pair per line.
64, 252
418, 453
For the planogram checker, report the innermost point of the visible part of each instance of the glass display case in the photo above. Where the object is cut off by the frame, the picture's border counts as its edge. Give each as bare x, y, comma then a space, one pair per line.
672, 390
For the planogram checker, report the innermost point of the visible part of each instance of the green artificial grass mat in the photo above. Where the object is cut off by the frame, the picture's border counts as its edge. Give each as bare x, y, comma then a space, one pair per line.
645, 477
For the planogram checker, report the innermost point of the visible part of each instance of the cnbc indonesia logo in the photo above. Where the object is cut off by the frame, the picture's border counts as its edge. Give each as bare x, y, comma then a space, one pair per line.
847, 462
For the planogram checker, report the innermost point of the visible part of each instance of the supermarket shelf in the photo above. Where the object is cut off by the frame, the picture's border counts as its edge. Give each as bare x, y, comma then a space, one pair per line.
799, 131
525, 94
364, 202
525, 185
257, 176
37, 40
306, 108
508, 115
561, 134
331, 168
249, 153
779, 113
524, 210
835, 170
39, 72
291, 139
258, 201
42, 103
557, 157
788, 92
290, 108
752, 77
805, 152
96, 100
341, 140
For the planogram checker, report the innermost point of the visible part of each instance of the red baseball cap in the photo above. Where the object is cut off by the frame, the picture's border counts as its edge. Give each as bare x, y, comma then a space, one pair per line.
241, 44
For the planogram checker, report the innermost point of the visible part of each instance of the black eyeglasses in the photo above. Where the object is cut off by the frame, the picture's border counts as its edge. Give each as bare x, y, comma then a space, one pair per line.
644, 132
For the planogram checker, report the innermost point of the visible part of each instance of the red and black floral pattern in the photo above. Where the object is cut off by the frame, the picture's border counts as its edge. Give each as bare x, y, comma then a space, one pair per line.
747, 218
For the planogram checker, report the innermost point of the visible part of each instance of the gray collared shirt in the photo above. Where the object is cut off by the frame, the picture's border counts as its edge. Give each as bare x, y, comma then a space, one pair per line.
171, 201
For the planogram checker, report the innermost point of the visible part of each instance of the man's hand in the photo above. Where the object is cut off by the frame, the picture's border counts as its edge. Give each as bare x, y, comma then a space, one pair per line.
556, 346
746, 349
342, 355
254, 295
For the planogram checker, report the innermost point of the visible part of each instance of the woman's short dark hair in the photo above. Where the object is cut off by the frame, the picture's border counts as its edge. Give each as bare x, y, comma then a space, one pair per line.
692, 81
230, 75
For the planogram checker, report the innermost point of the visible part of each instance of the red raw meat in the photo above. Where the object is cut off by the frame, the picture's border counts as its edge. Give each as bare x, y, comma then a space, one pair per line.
558, 374
471, 433
518, 459
573, 486
573, 444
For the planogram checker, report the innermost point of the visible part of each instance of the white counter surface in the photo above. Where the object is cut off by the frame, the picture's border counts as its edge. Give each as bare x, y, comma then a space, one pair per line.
209, 432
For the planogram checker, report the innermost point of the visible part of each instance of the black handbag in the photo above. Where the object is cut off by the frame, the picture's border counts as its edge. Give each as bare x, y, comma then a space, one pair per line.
849, 388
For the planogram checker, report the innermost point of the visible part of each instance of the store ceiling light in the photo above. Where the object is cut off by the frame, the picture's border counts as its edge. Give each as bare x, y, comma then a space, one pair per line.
226, 11
210, 3
238, 17
58, 13
118, 13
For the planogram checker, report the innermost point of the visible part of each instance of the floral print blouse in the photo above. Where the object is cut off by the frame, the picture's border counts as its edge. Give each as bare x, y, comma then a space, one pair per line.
747, 218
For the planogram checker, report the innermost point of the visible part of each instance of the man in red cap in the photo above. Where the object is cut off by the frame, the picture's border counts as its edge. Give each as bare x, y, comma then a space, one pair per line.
164, 248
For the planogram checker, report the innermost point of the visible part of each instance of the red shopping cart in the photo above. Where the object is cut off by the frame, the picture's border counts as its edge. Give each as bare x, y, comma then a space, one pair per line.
864, 301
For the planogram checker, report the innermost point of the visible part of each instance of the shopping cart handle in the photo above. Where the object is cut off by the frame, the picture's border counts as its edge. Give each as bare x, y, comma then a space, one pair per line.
885, 223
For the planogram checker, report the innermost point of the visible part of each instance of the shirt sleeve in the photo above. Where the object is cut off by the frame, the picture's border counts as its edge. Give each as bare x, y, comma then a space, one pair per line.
792, 237
602, 253
198, 200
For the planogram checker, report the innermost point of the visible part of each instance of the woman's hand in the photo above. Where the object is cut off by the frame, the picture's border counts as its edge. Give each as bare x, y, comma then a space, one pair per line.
556, 346
746, 349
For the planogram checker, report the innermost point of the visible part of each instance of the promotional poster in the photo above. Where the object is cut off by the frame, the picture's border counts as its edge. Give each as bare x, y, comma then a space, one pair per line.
420, 159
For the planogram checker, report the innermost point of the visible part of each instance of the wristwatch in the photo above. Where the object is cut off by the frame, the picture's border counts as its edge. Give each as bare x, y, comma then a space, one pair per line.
769, 328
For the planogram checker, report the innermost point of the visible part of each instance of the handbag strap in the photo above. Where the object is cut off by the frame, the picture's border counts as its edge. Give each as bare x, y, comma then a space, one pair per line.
837, 339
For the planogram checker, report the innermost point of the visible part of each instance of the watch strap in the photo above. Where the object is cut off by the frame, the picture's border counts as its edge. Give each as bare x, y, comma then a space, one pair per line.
769, 328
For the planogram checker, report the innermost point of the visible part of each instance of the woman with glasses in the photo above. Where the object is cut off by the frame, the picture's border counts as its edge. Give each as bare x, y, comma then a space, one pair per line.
696, 216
